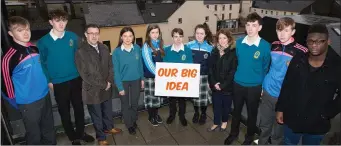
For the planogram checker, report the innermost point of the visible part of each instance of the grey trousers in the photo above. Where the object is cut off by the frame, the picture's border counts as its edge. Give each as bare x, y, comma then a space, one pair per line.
268, 124
129, 102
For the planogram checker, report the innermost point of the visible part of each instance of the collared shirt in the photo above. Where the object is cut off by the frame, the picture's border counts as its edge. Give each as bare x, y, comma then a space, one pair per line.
256, 42
95, 46
54, 37
182, 48
127, 49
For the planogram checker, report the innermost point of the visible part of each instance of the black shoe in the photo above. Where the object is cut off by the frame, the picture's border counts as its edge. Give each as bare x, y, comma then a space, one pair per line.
153, 121
132, 130
88, 138
158, 119
76, 142
170, 119
230, 139
195, 118
248, 140
135, 125
202, 119
183, 121
212, 130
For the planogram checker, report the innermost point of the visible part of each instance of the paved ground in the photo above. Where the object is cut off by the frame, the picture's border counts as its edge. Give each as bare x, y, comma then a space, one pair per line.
164, 134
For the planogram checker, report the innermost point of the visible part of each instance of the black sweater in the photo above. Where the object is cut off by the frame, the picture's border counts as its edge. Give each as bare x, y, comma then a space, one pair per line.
222, 69
307, 97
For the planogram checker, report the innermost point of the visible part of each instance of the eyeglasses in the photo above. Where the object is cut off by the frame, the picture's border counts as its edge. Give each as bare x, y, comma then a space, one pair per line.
317, 42
93, 34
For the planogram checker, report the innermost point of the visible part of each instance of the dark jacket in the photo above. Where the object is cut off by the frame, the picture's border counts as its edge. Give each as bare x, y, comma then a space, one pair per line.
307, 97
222, 69
96, 71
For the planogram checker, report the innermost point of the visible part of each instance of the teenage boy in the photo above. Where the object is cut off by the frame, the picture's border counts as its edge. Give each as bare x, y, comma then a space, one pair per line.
94, 58
282, 52
57, 50
307, 100
23, 80
253, 55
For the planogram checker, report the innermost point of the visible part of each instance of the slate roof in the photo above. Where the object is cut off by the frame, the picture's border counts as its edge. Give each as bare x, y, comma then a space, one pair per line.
158, 12
330, 22
116, 14
282, 5
212, 2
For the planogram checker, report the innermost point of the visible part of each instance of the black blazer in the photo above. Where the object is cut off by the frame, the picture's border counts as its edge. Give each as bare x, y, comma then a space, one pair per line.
222, 69
307, 97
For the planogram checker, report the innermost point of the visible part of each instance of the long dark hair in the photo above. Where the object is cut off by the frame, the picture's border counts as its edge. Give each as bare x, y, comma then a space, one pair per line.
149, 40
124, 30
208, 33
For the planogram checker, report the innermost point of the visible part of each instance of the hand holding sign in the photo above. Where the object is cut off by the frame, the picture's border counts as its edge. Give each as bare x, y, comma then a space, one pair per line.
177, 79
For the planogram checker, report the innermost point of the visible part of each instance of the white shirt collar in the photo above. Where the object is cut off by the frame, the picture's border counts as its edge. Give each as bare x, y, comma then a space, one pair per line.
127, 49
256, 42
182, 48
54, 37
95, 46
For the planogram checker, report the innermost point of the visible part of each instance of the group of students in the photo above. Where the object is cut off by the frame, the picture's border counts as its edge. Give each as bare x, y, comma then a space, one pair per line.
299, 88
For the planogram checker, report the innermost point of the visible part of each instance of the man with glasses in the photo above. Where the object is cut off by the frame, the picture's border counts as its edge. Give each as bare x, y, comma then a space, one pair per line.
94, 65
307, 100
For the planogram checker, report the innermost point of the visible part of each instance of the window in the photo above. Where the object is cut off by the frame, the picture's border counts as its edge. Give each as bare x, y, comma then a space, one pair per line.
65, 8
272, 12
139, 41
250, 9
230, 7
107, 43
285, 13
276, 13
207, 6
206, 18
230, 15
215, 7
262, 11
81, 9
266, 12
222, 16
180, 20
254, 10
223, 7
292, 13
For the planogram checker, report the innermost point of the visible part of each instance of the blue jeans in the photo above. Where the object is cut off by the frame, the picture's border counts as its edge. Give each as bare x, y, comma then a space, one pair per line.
102, 118
291, 138
221, 107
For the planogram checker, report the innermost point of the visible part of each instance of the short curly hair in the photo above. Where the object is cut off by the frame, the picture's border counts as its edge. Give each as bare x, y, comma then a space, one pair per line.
58, 14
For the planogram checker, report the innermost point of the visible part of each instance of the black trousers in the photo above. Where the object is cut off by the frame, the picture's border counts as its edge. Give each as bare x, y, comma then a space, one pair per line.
38, 121
250, 96
129, 102
173, 109
221, 107
101, 116
66, 93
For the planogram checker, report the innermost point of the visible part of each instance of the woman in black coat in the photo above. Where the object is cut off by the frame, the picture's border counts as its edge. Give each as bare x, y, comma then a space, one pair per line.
222, 66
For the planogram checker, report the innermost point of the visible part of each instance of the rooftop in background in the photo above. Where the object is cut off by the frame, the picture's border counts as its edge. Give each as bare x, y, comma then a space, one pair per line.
158, 12
116, 14
333, 25
212, 2
282, 5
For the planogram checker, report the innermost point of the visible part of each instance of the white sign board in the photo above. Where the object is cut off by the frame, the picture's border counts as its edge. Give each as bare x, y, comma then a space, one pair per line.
177, 79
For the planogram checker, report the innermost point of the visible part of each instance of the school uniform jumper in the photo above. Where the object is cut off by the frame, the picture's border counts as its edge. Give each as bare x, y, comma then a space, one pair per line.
281, 56
58, 62
25, 86
253, 64
184, 55
151, 101
128, 73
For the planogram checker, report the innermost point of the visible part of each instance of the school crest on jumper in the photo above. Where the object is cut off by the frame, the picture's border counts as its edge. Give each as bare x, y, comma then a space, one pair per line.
183, 57
256, 55
205, 56
71, 43
137, 56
